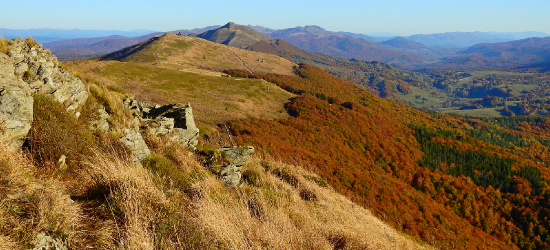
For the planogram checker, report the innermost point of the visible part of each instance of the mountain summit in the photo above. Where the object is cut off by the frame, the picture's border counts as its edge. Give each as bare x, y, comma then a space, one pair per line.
234, 35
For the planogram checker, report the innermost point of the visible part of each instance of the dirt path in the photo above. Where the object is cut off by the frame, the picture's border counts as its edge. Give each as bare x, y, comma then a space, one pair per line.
157, 52
249, 70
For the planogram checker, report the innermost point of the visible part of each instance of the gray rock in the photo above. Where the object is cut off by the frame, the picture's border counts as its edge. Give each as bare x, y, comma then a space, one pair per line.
138, 109
44, 242
21, 68
101, 124
185, 132
134, 141
159, 126
39, 69
236, 157
16, 106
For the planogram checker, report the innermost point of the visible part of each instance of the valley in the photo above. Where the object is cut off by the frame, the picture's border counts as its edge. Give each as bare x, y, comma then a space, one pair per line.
340, 142
380, 143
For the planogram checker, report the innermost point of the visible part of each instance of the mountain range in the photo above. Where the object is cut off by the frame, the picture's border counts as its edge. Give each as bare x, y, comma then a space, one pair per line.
329, 155
50, 35
82, 48
466, 177
448, 50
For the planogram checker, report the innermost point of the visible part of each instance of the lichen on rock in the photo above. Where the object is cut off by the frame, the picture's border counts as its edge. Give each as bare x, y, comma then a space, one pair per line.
235, 158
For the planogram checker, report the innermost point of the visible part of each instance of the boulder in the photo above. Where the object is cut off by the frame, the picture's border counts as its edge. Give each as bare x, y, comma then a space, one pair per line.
16, 106
134, 141
101, 124
184, 130
235, 158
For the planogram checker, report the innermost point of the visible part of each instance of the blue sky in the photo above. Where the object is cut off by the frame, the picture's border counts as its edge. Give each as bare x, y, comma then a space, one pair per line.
402, 17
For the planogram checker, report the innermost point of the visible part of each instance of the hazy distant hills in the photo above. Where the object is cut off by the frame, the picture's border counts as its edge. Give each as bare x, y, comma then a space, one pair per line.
467, 39
451, 50
518, 53
49, 35
82, 48
195, 31
317, 39
366, 37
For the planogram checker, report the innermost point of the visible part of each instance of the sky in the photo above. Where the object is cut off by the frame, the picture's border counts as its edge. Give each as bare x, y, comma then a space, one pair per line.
402, 17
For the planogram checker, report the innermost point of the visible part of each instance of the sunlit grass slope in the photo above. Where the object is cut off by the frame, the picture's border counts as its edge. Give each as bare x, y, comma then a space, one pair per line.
213, 98
191, 53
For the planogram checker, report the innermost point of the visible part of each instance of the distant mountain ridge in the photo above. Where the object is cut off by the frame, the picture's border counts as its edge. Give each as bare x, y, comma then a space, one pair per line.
403, 43
369, 74
234, 35
316, 39
50, 35
195, 31
82, 48
518, 53
467, 39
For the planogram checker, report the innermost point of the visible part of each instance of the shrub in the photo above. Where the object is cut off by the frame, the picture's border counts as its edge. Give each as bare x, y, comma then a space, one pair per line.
308, 195
55, 132
285, 175
28, 76
252, 177
319, 181
4, 46
31, 42
211, 158
170, 174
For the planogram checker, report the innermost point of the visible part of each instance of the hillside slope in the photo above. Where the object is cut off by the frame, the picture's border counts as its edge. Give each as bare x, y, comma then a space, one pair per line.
234, 35
461, 182
76, 184
379, 78
184, 52
431, 175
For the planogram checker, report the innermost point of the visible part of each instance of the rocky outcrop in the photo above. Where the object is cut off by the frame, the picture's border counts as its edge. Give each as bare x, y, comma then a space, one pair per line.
235, 158
173, 120
134, 141
16, 106
41, 71
27, 69
101, 123
180, 115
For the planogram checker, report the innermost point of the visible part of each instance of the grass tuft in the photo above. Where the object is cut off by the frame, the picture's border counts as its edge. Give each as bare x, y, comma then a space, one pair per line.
55, 132
31, 42
4, 46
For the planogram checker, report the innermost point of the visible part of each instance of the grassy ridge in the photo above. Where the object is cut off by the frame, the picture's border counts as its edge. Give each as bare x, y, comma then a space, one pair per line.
213, 98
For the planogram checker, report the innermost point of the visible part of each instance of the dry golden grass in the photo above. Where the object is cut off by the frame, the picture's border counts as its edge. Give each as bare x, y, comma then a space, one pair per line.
277, 215
212, 98
185, 53
174, 202
29, 205
278, 206
4, 46
31, 42
134, 193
